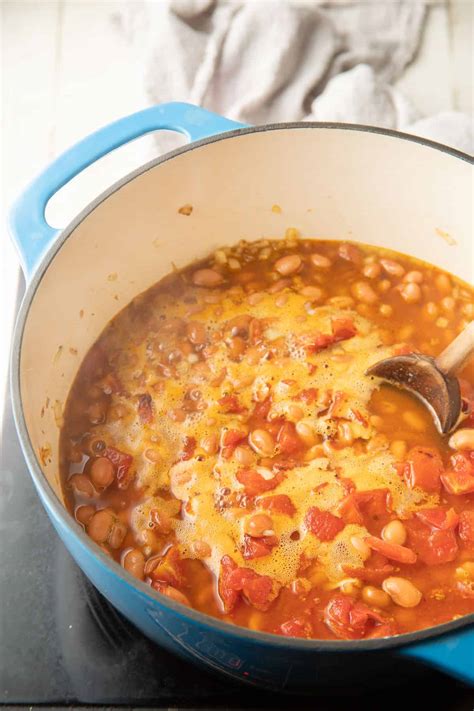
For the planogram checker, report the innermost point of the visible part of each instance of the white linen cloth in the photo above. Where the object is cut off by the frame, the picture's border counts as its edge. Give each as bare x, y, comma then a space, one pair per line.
261, 61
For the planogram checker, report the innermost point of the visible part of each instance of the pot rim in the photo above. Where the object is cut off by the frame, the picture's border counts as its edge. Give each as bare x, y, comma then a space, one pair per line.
59, 510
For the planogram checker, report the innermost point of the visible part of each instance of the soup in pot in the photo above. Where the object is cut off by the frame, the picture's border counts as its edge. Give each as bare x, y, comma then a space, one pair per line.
223, 443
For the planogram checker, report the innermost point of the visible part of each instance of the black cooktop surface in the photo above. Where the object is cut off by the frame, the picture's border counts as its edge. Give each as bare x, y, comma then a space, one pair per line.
62, 644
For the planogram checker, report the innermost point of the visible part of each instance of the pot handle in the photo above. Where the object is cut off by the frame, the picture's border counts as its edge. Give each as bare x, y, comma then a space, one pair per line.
452, 653
31, 233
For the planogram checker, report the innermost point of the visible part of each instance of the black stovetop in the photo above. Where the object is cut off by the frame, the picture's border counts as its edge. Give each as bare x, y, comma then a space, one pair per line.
62, 644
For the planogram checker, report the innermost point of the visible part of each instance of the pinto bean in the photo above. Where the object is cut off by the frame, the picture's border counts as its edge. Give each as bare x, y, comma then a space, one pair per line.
393, 268
462, 439
244, 455
372, 271
411, 292
210, 443
100, 525
102, 472
207, 278
259, 525
402, 591
196, 333
375, 596
361, 547
363, 292
394, 532
289, 264
82, 485
320, 261
262, 442
134, 562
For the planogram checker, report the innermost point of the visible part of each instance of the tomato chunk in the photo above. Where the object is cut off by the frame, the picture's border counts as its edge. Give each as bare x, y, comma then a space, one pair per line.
297, 627
423, 468
227, 593
439, 518
258, 590
466, 526
255, 484
169, 569
458, 482
432, 545
279, 503
230, 405
187, 451
372, 503
288, 440
323, 524
258, 547
393, 551
354, 620
122, 462
342, 329
145, 408
308, 395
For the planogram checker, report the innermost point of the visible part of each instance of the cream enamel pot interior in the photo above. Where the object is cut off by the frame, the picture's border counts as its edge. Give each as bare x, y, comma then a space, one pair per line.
331, 181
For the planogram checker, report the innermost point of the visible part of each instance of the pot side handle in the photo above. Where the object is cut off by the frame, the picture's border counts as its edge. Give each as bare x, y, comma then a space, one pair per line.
31, 233
452, 653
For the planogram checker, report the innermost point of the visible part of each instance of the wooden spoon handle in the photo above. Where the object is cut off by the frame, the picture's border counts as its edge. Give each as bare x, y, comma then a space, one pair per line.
458, 352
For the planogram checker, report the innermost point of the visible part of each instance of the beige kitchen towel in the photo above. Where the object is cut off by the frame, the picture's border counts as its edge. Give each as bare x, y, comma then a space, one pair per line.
261, 61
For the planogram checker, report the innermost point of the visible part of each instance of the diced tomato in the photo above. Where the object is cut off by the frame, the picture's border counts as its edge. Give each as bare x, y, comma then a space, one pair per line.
466, 588
171, 592
439, 517
319, 342
230, 405
258, 590
255, 484
229, 441
423, 468
287, 439
169, 569
466, 526
343, 328
258, 547
227, 594
278, 503
122, 463
463, 462
372, 503
297, 627
374, 576
432, 545
335, 408
145, 408
187, 451
308, 395
359, 417
262, 409
348, 619
323, 524
458, 482
393, 551
349, 510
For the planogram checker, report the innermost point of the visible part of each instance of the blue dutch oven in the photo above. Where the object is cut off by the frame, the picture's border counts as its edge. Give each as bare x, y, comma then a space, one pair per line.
332, 180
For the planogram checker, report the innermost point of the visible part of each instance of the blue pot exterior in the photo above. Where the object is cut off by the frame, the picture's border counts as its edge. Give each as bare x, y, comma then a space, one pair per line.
269, 661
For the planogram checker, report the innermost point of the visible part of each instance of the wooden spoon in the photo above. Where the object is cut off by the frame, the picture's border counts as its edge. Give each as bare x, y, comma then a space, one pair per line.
432, 380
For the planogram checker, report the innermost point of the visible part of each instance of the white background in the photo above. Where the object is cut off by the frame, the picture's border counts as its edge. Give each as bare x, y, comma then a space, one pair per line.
68, 68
